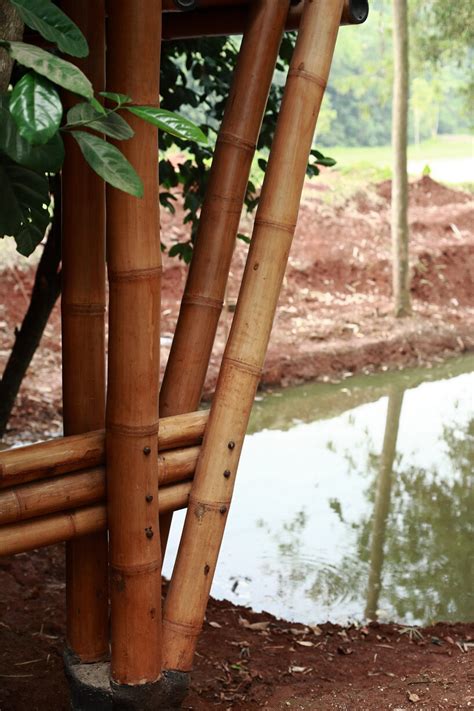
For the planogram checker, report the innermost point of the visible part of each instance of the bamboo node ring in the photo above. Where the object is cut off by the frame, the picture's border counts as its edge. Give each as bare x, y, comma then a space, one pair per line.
206, 301
131, 431
309, 76
78, 309
129, 571
283, 226
134, 275
244, 367
182, 628
233, 140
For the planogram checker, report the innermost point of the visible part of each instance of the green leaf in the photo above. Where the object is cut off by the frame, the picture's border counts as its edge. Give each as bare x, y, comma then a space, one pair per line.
28, 239
56, 70
321, 159
24, 196
111, 123
169, 122
36, 107
51, 22
47, 158
119, 99
109, 163
97, 106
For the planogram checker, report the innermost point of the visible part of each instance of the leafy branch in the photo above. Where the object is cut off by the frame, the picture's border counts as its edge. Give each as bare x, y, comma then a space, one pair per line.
31, 145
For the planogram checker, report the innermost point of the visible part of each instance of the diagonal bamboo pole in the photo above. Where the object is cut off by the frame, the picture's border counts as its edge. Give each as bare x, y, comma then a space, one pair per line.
204, 292
134, 269
83, 307
245, 352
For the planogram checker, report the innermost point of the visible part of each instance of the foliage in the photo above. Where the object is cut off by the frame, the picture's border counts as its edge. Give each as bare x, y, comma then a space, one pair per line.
195, 77
358, 97
31, 145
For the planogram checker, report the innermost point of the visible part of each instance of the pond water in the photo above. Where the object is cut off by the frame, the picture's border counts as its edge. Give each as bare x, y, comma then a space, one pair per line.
355, 501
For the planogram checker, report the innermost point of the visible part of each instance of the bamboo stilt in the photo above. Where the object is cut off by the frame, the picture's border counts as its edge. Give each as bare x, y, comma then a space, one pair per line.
83, 488
134, 269
244, 355
219, 21
69, 454
83, 308
48, 530
205, 287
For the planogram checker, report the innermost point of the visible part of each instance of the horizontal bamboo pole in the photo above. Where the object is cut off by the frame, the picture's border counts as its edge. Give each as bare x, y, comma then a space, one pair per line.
69, 454
48, 530
217, 21
83, 488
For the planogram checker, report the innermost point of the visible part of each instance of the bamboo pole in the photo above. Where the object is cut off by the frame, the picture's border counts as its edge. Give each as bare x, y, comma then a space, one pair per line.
83, 488
69, 454
245, 351
134, 269
48, 530
219, 222
83, 351
217, 21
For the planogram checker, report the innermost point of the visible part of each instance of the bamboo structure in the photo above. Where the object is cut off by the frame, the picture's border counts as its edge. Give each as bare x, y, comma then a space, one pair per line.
218, 20
203, 297
83, 487
71, 525
110, 493
69, 454
134, 270
245, 351
82, 311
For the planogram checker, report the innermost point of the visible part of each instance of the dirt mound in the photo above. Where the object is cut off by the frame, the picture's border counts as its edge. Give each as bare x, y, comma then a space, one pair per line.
425, 192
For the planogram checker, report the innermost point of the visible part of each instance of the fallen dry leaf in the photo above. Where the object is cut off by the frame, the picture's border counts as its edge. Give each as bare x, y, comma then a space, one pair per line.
215, 624
412, 697
305, 643
253, 625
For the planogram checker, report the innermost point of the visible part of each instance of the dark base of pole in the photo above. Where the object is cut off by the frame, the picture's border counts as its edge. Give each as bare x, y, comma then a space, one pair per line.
92, 689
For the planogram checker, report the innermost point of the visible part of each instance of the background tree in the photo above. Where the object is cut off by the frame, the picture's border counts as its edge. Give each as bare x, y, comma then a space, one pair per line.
400, 234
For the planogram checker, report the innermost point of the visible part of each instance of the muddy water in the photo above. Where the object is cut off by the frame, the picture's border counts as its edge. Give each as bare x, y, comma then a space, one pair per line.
356, 501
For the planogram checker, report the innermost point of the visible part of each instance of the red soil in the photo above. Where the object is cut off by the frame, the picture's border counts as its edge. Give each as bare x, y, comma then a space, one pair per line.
334, 318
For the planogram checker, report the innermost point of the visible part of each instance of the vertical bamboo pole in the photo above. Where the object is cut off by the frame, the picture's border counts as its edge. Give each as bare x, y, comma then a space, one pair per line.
382, 500
82, 309
134, 269
243, 358
204, 292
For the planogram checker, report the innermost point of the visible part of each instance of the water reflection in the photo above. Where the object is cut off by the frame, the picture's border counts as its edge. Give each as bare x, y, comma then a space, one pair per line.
382, 501
356, 500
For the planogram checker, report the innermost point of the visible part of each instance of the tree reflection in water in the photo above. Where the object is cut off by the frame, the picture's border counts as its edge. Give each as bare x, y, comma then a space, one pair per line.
413, 556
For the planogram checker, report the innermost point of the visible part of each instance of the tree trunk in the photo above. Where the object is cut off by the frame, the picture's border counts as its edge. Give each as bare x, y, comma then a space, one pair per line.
45, 292
11, 28
401, 291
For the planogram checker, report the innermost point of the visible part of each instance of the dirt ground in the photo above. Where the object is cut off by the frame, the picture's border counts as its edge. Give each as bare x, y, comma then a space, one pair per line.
244, 660
334, 319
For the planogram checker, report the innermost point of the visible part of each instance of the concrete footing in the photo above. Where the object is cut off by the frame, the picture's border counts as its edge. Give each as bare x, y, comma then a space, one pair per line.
92, 689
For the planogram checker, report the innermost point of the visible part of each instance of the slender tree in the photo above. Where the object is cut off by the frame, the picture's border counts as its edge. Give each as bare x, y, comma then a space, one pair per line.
400, 231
